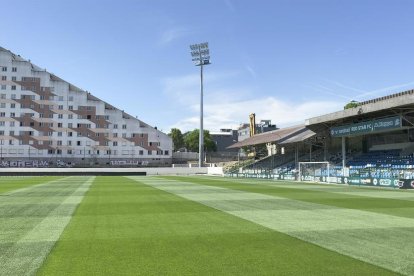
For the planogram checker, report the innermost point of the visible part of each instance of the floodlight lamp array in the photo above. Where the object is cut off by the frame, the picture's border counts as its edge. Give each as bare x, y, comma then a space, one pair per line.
200, 53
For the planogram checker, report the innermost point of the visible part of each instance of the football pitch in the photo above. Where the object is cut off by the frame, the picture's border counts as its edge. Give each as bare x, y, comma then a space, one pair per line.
173, 225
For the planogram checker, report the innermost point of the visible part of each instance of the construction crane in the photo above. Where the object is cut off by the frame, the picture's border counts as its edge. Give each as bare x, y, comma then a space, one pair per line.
252, 119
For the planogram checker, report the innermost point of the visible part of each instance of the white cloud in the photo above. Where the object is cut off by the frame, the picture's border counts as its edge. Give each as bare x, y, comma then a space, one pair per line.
231, 114
174, 33
185, 90
227, 105
251, 71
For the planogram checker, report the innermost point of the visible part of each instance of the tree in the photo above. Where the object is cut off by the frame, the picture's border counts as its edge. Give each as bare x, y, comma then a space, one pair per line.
191, 141
351, 104
177, 138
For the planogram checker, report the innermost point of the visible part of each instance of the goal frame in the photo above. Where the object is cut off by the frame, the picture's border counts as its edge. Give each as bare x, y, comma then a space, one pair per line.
321, 162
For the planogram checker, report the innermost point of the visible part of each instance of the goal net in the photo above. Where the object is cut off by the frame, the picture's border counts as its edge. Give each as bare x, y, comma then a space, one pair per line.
314, 171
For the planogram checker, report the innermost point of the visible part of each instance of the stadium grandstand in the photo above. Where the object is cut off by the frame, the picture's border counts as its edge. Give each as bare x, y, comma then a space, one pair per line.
46, 121
371, 144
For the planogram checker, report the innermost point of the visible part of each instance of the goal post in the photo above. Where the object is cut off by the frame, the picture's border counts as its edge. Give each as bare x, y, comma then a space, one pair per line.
314, 171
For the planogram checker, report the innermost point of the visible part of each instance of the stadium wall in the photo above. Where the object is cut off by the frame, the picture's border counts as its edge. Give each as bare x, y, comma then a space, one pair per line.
110, 171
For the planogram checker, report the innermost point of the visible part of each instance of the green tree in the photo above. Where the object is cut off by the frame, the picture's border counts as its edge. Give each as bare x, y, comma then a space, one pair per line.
351, 104
177, 138
191, 141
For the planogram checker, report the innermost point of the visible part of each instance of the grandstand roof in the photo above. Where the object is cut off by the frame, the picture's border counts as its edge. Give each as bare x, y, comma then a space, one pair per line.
379, 107
280, 136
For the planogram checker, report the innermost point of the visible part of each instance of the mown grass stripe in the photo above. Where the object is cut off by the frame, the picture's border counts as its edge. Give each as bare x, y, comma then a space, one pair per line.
313, 223
124, 227
382, 205
8, 184
364, 191
25, 241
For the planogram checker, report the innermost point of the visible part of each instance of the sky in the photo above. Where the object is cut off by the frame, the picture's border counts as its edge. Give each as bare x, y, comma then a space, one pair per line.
285, 60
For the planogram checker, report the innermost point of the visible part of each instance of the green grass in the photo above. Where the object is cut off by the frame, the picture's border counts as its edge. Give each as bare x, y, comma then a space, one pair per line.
13, 183
32, 220
202, 226
129, 227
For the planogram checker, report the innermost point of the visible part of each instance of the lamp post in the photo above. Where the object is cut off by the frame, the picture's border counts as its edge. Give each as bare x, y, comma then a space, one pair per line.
200, 56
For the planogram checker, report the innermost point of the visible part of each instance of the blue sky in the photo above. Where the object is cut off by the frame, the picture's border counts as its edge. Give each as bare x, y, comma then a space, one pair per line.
283, 60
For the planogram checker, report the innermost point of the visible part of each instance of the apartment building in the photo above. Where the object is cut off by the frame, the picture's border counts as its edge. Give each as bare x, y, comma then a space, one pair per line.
46, 121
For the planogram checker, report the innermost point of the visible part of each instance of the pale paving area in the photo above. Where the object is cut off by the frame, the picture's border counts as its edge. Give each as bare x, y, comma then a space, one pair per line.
380, 239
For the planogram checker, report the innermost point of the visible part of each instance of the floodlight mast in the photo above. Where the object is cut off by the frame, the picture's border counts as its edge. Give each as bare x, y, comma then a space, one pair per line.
200, 56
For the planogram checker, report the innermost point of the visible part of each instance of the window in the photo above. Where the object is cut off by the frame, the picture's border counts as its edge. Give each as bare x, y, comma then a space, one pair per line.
60, 98
70, 107
60, 107
59, 134
115, 126
2, 123
60, 116
69, 143
69, 151
59, 142
13, 96
12, 124
14, 79
78, 143
115, 144
2, 105
70, 134
50, 151
3, 87
12, 114
3, 96
70, 125
70, 116
13, 87
150, 152
166, 152
3, 77
60, 125
14, 69
115, 135
2, 114
141, 152
123, 135
71, 98
4, 69
12, 105
124, 126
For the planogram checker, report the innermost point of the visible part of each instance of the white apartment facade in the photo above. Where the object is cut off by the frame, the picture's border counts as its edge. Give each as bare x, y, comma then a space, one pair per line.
46, 121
